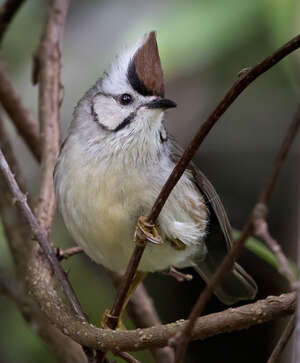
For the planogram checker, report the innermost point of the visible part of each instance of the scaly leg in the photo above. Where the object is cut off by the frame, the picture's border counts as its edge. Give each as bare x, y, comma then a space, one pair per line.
138, 278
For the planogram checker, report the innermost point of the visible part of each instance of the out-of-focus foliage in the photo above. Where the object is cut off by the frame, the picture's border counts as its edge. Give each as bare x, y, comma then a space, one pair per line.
203, 44
259, 249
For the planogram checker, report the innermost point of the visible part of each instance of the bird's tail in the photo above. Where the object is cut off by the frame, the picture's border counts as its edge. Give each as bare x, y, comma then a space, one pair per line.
236, 285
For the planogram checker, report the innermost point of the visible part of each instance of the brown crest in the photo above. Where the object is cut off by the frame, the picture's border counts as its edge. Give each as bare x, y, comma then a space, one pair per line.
145, 73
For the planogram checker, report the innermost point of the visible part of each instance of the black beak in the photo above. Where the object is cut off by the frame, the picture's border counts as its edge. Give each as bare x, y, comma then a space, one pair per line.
163, 103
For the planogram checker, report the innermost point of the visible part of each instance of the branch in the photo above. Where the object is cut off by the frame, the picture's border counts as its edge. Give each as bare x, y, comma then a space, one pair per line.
20, 200
22, 117
69, 252
7, 11
86, 334
46, 72
239, 86
261, 230
140, 237
65, 349
142, 312
283, 340
259, 211
127, 357
17, 232
226, 321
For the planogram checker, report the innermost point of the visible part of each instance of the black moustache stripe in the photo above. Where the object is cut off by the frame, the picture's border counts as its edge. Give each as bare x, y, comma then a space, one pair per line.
125, 122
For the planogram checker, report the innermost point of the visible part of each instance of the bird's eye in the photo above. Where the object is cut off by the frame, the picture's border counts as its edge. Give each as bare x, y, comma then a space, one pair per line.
125, 99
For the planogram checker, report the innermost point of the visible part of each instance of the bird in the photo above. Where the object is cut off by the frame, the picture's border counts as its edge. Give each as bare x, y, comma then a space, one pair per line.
112, 165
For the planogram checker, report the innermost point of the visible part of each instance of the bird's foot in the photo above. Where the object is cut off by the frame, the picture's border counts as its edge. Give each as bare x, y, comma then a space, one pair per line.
110, 321
179, 276
145, 230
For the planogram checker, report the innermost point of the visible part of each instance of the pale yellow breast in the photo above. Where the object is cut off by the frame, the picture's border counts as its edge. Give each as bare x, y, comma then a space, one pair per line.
100, 207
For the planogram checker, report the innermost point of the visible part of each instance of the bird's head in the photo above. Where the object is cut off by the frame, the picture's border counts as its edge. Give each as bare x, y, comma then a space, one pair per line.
130, 96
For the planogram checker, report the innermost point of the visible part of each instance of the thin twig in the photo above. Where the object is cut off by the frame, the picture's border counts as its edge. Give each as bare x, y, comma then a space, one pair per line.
284, 338
69, 252
127, 357
280, 159
261, 230
240, 85
21, 116
141, 240
38, 233
47, 74
7, 11
259, 211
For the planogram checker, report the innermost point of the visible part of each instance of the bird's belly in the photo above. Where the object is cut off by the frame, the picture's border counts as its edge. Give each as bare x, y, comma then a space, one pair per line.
102, 222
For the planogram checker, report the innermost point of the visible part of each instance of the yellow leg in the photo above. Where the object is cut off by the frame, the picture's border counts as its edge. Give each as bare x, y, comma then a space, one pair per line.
138, 278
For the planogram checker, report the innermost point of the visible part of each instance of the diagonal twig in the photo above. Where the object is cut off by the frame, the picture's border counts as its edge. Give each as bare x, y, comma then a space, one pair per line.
21, 116
285, 336
259, 211
127, 357
7, 11
47, 67
38, 233
27, 126
17, 233
239, 86
140, 307
261, 230
88, 335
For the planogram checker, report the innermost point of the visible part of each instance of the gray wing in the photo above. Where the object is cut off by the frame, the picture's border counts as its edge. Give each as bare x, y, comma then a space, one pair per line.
211, 197
237, 285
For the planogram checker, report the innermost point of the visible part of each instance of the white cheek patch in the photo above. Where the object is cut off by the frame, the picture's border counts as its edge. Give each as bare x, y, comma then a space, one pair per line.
108, 113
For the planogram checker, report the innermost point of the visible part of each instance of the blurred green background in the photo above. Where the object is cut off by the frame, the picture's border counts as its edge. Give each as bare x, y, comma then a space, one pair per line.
203, 45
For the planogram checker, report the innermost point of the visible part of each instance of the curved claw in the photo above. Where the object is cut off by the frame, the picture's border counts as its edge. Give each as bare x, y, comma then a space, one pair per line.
148, 231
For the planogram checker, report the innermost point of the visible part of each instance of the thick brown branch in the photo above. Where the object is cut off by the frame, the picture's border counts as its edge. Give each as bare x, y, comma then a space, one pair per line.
259, 211
65, 349
21, 202
158, 336
47, 70
22, 117
17, 234
7, 11
288, 331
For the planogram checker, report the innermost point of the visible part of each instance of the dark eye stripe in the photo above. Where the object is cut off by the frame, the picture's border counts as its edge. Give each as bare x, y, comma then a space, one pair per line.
125, 122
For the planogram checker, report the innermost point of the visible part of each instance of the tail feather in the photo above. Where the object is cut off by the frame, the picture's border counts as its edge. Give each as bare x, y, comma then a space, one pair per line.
237, 284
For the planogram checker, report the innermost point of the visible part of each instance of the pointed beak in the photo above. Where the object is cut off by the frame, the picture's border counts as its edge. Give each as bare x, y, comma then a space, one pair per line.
162, 103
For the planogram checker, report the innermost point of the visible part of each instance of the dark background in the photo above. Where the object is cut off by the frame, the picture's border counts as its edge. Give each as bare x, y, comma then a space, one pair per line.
203, 45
